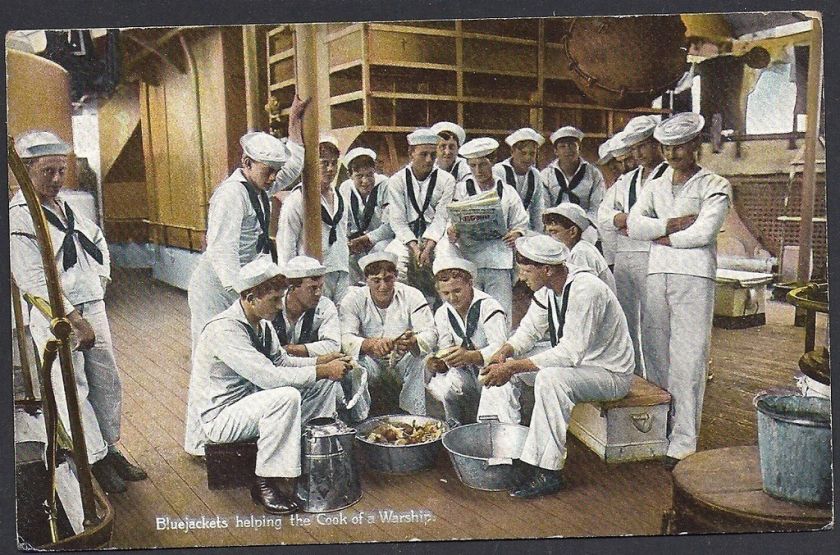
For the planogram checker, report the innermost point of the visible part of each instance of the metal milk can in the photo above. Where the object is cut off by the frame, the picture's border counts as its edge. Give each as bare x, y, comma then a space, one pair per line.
328, 480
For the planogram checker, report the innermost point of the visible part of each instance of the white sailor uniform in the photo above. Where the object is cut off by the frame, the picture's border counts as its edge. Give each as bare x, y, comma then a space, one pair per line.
677, 322
584, 254
318, 329
585, 187
368, 216
485, 329
82, 259
459, 170
529, 187
591, 360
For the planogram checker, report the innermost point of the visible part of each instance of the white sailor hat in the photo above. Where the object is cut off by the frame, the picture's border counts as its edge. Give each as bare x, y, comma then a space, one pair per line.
303, 266
34, 144
378, 256
605, 154
679, 128
479, 148
358, 152
258, 271
330, 140
566, 131
524, 134
265, 148
453, 128
453, 263
542, 249
573, 212
618, 145
638, 129
422, 136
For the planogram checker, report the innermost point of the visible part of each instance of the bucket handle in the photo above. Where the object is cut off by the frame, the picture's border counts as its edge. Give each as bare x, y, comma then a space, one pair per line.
488, 418
642, 422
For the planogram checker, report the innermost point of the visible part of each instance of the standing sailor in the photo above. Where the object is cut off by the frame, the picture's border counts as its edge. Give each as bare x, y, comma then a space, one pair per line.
567, 222
590, 359
239, 216
417, 199
631, 259
244, 385
365, 192
681, 213
451, 138
570, 178
471, 326
492, 257
81, 256
334, 218
389, 328
520, 172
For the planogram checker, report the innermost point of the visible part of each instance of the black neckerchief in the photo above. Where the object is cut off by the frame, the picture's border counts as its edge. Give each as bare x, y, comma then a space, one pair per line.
660, 170
472, 324
567, 188
262, 206
263, 346
453, 171
637, 177
510, 177
279, 324
70, 256
332, 222
472, 191
419, 225
364, 218
556, 331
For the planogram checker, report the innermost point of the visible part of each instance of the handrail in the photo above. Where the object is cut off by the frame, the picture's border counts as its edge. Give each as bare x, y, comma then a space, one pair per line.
61, 329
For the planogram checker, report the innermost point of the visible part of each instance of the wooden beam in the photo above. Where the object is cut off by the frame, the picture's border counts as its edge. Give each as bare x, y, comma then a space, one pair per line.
252, 98
814, 92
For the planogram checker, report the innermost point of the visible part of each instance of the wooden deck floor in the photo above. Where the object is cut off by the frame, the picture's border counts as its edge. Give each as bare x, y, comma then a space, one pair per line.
150, 325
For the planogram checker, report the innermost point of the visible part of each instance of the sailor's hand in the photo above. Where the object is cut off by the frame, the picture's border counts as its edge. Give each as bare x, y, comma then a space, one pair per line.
405, 342
333, 370
329, 357
496, 374
680, 223
663, 241
360, 244
414, 250
502, 354
511, 237
452, 234
298, 107
83, 330
297, 350
436, 365
620, 220
377, 346
461, 357
104, 281
426, 256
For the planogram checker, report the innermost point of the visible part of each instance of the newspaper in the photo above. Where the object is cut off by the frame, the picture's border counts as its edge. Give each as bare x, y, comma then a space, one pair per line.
478, 218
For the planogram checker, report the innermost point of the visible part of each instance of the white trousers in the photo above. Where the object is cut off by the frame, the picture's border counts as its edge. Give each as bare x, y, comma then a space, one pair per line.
206, 298
98, 382
274, 417
410, 372
630, 274
504, 401
459, 391
498, 283
335, 286
677, 327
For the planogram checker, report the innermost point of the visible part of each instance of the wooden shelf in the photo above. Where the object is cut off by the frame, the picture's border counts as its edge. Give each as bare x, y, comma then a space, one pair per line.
508, 72
349, 30
417, 65
285, 54
498, 38
412, 30
281, 85
348, 97
277, 30
345, 66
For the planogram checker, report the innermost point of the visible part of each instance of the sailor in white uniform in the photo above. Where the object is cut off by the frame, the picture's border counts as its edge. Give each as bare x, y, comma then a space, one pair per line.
492, 257
520, 172
239, 217
471, 326
245, 386
606, 161
389, 327
365, 193
567, 222
681, 213
334, 220
631, 259
590, 358
451, 138
570, 178
418, 196
83, 263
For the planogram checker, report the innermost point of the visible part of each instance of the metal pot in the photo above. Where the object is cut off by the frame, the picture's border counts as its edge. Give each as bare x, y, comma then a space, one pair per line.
328, 480
398, 459
483, 453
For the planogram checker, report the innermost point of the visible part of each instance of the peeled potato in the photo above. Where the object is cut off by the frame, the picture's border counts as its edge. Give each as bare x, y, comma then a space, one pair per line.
445, 352
482, 378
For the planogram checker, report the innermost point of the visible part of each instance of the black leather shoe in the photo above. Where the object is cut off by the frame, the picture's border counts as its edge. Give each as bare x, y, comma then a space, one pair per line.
264, 492
542, 482
125, 469
107, 477
669, 463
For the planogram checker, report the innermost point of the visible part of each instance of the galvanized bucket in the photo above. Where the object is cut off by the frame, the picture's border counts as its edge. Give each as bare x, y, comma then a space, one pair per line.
794, 443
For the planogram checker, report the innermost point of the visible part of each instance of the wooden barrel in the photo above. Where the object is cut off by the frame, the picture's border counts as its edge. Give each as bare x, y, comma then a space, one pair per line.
720, 491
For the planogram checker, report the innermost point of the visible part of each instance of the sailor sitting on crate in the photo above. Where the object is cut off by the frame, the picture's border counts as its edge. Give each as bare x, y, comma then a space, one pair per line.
245, 386
388, 326
591, 358
471, 326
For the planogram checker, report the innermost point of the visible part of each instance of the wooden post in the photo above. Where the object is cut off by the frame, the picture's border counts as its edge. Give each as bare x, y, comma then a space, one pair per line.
306, 72
252, 95
809, 178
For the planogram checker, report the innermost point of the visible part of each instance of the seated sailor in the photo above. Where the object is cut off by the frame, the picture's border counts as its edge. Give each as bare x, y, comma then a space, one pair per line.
567, 222
388, 326
451, 138
590, 358
471, 326
520, 172
245, 386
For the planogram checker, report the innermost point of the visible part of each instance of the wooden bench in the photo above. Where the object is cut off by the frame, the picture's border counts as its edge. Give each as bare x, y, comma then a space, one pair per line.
230, 465
633, 428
